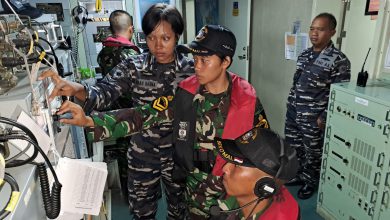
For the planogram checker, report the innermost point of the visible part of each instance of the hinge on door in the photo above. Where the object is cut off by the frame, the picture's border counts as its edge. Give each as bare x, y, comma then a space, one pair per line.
347, 4
320, 197
332, 95
328, 131
341, 36
331, 107
339, 40
247, 52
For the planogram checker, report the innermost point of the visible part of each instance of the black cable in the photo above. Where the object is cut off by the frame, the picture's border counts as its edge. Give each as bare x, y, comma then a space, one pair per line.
14, 195
20, 153
51, 47
59, 66
31, 135
17, 163
60, 69
253, 209
52, 203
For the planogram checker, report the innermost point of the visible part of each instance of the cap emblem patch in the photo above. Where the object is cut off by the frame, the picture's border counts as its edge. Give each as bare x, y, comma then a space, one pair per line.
250, 135
201, 34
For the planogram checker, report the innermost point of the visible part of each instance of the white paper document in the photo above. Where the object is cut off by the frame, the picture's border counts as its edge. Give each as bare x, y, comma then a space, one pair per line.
295, 44
44, 140
82, 185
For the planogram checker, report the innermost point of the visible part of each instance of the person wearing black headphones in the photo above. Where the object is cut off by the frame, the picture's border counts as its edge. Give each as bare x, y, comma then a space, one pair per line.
259, 162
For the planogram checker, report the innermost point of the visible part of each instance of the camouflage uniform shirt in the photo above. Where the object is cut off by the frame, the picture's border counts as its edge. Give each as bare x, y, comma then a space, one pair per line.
142, 77
139, 76
202, 188
115, 49
315, 72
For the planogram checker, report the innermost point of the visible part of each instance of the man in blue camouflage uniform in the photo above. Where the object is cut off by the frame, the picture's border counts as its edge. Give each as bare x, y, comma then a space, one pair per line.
317, 68
117, 47
146, 77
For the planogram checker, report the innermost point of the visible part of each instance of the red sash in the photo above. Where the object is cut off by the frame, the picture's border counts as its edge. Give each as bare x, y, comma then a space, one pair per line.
241, 110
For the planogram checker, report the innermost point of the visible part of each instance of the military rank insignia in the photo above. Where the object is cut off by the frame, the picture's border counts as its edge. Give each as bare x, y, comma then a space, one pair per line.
162, 103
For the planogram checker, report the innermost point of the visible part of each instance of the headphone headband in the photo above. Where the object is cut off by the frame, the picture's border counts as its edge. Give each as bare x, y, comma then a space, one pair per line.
78, 10
266, 186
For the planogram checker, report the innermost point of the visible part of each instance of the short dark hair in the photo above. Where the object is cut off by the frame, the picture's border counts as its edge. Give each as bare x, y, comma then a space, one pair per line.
120, 21
223, 57
331, 19
162, 12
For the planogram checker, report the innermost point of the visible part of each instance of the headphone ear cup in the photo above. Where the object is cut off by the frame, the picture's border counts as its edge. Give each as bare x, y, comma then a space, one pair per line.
265, 188
80, 10
77, 19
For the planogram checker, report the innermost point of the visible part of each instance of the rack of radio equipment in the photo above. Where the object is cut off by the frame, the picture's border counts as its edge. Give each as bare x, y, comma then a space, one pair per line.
29, 134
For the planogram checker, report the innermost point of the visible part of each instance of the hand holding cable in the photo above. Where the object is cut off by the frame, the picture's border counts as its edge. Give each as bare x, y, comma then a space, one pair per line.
76, 117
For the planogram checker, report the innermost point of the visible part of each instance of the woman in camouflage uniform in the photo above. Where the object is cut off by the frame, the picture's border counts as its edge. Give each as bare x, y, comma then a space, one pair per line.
213, 103
145, 77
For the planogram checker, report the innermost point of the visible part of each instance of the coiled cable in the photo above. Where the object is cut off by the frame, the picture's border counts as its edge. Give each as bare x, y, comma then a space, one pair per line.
52, 202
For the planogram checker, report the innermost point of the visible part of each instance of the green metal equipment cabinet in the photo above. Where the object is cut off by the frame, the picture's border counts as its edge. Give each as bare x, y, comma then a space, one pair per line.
355, 173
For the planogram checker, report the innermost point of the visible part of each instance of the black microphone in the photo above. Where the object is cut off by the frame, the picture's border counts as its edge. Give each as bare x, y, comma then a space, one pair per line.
215, 210
363, 75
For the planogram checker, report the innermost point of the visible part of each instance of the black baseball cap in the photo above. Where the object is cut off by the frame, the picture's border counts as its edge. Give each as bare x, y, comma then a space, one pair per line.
263, 149
212, 39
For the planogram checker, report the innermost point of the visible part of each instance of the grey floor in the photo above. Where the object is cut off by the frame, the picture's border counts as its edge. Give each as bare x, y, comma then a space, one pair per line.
120, 209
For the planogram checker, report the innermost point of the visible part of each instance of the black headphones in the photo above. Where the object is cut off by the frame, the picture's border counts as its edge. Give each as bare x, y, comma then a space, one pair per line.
266, 187
80, 10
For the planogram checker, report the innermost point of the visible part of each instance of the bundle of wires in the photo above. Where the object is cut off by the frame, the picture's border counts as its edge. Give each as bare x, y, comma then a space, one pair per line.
52, 202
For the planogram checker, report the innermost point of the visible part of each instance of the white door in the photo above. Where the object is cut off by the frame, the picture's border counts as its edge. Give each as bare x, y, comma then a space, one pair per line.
235, 14
360, 30
334, 7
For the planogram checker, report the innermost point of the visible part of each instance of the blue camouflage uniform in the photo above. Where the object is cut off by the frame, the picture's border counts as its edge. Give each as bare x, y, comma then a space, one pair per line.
308, 100
150, 152
115, 49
